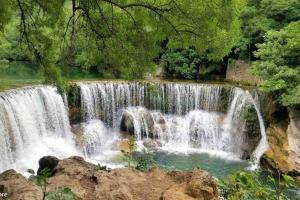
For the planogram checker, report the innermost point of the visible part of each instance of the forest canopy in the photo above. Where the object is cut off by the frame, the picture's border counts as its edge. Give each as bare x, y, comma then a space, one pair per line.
117, 37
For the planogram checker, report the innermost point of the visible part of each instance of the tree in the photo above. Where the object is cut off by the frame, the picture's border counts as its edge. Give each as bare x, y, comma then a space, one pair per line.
279, 64
121, 36
260, 16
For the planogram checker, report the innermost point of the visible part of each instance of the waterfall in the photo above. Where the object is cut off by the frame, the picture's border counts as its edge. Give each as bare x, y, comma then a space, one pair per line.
182, 116
33, 123
234, 120
105, 100
178, 116
97, 137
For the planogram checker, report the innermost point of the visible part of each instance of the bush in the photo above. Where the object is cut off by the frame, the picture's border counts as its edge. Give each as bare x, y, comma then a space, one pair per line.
145, 161
250, 186
181, 63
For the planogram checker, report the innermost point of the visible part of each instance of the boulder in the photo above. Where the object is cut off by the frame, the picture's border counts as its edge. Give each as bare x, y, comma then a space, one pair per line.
89, 183
127, 125
48, 162
139, 116
16, 186
150, 143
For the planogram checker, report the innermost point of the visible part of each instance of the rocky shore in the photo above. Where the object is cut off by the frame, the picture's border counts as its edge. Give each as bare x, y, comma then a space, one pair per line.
87, 182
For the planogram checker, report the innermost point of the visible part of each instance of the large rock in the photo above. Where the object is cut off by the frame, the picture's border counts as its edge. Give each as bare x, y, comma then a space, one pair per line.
197, 185
128, 184
140, 116
284, 145
88, 183
48, 163
293, 132
17, 187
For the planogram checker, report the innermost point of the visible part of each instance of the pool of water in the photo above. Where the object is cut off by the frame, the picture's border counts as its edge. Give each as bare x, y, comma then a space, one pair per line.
219, 167
216, 166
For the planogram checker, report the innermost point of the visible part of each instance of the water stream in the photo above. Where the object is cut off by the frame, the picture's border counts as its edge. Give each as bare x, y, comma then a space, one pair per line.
178, 117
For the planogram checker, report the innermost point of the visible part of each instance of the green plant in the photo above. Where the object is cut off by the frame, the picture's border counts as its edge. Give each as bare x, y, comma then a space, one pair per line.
278, 64
102, 168
128, 155
40, 179
61, 193
251, 186
144, 161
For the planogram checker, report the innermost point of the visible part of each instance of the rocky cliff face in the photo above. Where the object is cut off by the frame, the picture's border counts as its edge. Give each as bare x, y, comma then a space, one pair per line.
293, 132
88, 183
284, 143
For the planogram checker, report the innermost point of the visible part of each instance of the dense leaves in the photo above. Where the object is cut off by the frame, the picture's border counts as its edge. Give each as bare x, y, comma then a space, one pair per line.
189, 64
279, 63
260, 16
115, 38
253, 185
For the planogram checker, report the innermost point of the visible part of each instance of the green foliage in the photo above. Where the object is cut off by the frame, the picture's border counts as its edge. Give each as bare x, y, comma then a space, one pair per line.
53, 76
260, 16
279, 64
188, 64
144, 161
56, 194
40, 179
249, 186
128, 155
181, 63
115, 38
61, 194
102, 168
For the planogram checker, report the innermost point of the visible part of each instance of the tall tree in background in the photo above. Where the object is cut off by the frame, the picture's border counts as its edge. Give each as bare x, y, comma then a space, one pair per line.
260, 16
279, 64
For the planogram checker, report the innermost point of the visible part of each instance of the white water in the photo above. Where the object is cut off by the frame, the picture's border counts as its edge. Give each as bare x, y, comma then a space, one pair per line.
183, 117
105, 100
33, 123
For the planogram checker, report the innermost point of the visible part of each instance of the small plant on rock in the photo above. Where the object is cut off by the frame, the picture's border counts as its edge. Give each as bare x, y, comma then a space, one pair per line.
249, 186
145, 161
61, 193
128, 155
102, 168
41, 180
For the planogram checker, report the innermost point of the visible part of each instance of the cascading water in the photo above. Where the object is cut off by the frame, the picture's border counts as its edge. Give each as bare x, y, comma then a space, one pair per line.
33, 123
182, 116
105, 100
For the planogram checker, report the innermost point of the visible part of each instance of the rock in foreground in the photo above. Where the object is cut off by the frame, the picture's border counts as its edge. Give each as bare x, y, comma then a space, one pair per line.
119, 184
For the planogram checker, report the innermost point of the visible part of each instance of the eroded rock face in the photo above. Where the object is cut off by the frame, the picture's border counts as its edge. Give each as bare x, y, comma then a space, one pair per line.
293, 132
119, 184
18, 187
141, 116
284, 145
